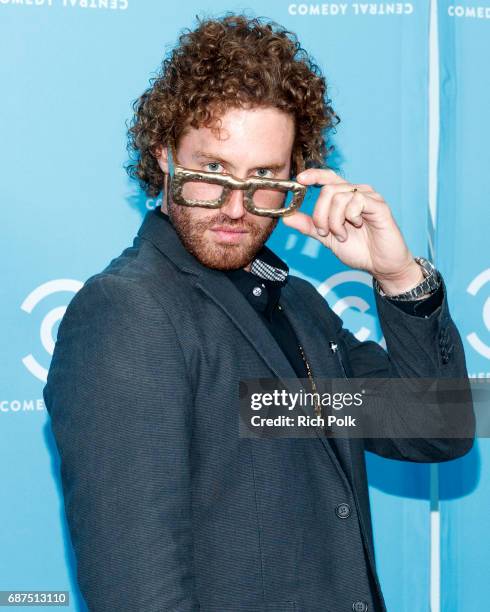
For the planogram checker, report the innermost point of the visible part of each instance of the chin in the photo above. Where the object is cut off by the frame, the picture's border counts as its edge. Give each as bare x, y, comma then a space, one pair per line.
229, 257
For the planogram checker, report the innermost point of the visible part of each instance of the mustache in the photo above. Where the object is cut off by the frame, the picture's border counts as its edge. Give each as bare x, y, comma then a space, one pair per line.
222, 219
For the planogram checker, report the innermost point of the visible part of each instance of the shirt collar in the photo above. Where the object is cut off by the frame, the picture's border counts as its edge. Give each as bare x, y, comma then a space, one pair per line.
269, 266
262, 285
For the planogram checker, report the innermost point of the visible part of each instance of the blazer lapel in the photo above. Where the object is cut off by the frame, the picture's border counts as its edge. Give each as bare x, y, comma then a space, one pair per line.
315, 344
219, 288
222, 291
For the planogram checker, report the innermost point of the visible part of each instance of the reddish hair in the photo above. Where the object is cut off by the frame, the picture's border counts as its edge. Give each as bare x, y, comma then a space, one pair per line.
233, 61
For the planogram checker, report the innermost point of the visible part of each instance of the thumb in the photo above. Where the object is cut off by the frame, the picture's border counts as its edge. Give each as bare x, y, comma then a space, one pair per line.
301, 222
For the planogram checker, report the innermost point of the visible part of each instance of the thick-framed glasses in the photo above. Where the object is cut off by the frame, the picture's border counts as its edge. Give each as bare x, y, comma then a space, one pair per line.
263, 196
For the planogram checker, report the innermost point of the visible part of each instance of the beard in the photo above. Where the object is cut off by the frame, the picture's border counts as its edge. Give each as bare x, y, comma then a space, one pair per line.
192, 234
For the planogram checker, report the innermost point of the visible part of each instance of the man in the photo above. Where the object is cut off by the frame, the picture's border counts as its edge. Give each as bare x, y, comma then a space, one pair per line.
169, 509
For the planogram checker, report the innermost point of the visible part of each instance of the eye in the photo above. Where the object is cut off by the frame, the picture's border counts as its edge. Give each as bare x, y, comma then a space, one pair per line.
261, 172
213, 167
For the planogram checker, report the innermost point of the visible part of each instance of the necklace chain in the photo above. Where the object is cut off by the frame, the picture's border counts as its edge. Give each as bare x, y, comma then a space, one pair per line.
318, 410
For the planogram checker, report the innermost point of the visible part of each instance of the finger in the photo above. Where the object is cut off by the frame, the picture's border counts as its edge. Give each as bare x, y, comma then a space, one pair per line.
306, 224
336, 217
361, 204
374, 204
320, 176
376, 196
321, 212
363, 187
354, 209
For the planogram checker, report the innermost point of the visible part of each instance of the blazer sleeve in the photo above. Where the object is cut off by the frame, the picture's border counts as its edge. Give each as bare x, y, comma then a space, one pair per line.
417, 347
120, 401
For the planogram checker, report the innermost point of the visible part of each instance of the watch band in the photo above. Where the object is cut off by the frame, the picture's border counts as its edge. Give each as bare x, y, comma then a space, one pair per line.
431, 282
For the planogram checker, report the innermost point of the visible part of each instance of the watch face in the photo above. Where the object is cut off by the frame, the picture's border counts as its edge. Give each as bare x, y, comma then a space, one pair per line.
427, 267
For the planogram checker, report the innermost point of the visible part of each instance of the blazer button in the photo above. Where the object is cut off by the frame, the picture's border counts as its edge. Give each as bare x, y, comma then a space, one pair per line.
343, 511
360, 606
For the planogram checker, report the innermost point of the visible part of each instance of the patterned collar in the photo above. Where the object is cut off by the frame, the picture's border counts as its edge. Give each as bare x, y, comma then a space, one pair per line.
269, 266
262, 285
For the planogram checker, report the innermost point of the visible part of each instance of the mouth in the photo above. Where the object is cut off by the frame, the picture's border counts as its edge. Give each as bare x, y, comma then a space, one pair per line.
228, 234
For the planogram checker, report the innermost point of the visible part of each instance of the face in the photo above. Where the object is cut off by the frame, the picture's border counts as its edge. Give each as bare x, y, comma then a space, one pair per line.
253, 142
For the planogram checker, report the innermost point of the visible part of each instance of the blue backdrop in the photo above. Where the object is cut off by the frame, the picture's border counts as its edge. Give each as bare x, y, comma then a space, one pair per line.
69, 72
463, 255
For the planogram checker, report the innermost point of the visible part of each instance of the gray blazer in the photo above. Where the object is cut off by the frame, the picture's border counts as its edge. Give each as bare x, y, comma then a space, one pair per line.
168, 508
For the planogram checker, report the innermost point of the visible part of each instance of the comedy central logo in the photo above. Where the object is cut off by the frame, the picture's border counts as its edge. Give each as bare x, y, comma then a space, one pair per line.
334, 9
356, 302
473, 289
52, 318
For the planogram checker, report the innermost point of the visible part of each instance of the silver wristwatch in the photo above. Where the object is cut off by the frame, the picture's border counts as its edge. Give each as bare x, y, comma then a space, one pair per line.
430, 283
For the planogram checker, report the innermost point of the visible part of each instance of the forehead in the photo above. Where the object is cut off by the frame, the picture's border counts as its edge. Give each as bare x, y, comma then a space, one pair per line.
267, 132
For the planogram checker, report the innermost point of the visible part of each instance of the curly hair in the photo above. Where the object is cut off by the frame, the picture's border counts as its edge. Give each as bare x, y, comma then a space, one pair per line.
233, 61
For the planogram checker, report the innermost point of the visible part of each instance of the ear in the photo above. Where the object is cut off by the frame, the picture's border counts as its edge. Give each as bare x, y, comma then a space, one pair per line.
161, 155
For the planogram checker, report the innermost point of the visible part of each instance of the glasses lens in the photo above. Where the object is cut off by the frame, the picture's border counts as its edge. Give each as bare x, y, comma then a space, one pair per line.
272, 198
200, 190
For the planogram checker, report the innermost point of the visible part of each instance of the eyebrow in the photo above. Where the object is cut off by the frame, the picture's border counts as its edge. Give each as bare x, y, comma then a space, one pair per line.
208, 155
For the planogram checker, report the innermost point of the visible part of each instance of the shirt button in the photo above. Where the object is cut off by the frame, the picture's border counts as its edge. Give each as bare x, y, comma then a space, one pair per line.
342, 511
257, 291
359, 606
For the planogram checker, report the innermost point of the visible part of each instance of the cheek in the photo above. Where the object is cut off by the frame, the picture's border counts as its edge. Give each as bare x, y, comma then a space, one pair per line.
262, 223
198, 215
267, 224
192, 214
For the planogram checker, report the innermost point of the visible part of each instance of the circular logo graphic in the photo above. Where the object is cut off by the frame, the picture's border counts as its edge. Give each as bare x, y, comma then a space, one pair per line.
351, 301
473, 289
50, 320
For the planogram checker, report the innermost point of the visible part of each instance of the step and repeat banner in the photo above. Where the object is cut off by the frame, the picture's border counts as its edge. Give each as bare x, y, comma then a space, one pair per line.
463, 249
70, 70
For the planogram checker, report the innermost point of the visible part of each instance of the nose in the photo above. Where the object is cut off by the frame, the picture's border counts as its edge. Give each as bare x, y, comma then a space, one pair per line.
234, 207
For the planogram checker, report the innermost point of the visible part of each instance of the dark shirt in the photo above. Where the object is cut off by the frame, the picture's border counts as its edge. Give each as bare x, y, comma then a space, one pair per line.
263, 292
268, 307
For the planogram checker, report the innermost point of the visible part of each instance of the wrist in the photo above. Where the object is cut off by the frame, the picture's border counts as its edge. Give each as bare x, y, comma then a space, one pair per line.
431, 282
395, 284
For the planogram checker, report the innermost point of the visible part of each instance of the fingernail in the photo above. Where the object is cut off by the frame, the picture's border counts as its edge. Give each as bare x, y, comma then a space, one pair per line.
321, 231
341, 238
